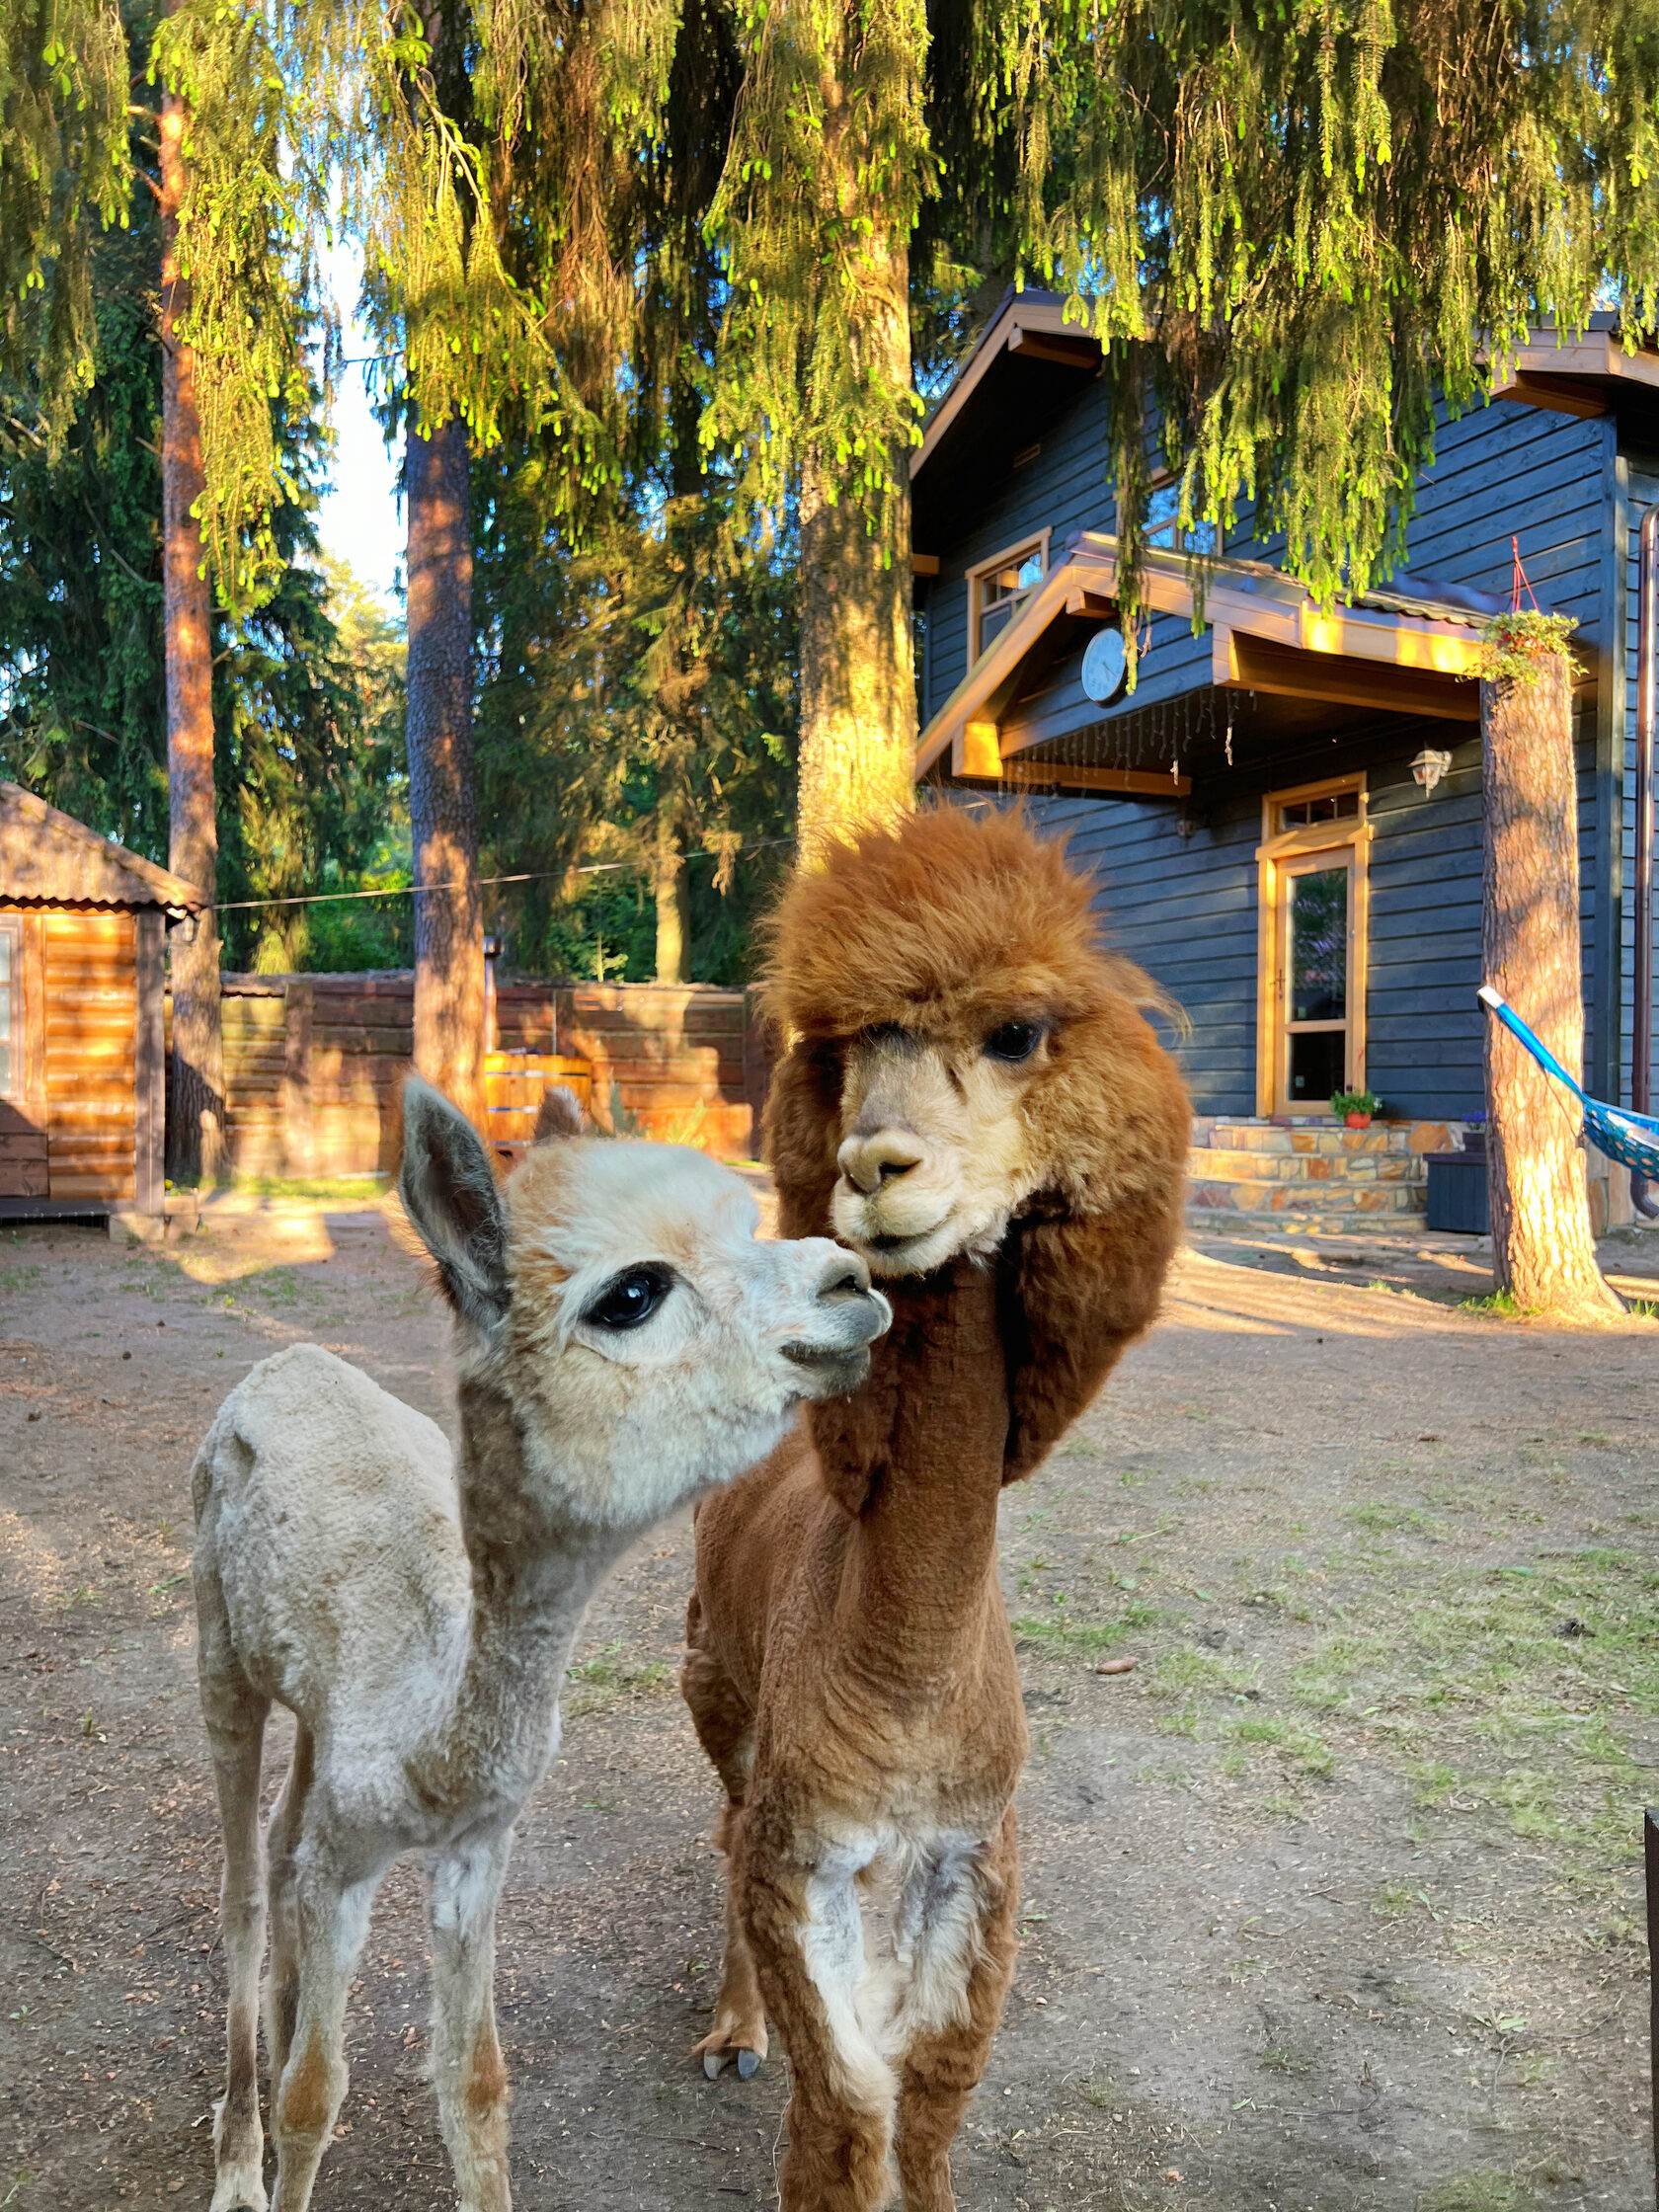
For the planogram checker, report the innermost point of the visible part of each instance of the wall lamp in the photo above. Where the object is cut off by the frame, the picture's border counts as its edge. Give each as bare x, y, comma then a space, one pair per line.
1430, 765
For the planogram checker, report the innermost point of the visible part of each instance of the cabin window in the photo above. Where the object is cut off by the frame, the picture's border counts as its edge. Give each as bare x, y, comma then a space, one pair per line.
1315, 903
998, 590
11, 1012
1163, 529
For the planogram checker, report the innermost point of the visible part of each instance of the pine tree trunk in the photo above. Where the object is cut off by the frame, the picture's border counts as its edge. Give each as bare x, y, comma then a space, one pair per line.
674, 907
858, 714
443, 811
1542, 1254
195, 1117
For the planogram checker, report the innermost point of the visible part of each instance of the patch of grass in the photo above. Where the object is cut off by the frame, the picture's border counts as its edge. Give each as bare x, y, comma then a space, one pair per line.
345, 1190
607, 1676
20, 1278
1179, 1673
1483, 2190
1301, 1749
1279, 2058
1503, 1304
1079, 1639
1379, 1517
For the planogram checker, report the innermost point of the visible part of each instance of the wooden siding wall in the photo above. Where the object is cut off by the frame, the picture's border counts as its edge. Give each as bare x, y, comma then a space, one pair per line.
313, 1063
1641, 472
73, 1133
1186, 908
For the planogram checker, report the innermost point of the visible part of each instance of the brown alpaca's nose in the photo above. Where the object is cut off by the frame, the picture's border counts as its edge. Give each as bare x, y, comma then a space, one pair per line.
887, 1152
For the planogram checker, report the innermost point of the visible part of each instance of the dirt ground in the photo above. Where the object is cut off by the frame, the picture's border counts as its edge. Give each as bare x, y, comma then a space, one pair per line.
1334, 1901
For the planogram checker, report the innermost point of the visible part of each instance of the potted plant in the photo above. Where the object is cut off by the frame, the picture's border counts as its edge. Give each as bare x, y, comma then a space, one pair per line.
1355, 1107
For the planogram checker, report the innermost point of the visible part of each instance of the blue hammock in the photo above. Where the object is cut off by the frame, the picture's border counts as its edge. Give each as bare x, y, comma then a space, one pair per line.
1633, 1138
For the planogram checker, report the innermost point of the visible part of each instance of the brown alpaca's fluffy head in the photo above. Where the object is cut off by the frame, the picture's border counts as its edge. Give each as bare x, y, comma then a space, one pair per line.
963, 1045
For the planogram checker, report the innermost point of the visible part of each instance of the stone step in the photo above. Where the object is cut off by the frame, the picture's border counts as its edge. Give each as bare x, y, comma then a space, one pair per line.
1213, 1166
1327, 1138
1364, 1201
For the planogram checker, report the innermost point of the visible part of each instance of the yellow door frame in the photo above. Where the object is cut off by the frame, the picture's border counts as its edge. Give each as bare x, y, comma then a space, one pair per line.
1351, 838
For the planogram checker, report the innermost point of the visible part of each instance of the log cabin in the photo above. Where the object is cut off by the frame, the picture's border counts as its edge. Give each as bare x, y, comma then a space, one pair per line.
1285, 812
83, 932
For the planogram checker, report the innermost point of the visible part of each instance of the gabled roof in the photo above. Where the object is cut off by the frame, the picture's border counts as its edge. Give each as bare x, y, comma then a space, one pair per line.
1392, 650
45, 855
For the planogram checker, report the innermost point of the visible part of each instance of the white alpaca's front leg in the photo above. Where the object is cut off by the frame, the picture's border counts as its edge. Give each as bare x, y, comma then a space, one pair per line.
333, 1923
467, 2062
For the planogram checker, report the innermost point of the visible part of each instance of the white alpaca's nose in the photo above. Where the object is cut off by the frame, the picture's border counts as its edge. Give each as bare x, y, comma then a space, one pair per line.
844, 1275
870, 1159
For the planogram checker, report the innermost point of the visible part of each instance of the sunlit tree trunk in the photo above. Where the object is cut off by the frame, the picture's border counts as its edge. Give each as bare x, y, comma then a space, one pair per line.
858, 720
442, 808
674, 907
195, 1107
1543, 1255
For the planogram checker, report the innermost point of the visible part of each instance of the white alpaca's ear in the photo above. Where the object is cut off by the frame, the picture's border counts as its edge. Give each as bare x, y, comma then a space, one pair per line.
449, 1194
558, 1116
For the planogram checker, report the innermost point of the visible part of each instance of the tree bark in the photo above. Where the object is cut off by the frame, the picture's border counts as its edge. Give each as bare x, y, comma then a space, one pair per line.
674, 907
858, 713
1543, 1255
442, 810
197, 1109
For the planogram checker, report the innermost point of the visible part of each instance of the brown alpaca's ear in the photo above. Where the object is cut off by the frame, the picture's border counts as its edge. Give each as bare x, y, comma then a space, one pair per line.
558, 1116
1077, 1293
803, 1131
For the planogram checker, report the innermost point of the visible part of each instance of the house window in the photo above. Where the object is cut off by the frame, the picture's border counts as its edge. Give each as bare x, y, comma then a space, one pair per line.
998, 590
1163, 507
11, 1013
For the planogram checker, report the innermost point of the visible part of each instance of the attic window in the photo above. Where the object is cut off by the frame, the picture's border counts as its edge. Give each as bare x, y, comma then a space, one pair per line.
999, 589
1163, 507
1330, 806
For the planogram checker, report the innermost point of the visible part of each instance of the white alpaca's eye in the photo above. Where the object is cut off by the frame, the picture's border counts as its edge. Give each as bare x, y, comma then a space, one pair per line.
1014, 1041
630, 1297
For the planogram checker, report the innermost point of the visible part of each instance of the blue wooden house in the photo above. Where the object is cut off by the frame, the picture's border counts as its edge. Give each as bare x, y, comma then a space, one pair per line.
1285, 813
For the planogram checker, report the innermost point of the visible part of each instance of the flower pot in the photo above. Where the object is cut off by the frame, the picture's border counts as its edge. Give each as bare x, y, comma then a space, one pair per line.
1357, 1121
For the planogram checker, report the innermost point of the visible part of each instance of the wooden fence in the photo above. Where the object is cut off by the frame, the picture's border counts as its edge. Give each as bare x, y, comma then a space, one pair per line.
313, 1063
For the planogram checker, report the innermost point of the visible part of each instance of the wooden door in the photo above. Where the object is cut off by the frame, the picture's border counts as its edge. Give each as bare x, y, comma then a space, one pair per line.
1315, 987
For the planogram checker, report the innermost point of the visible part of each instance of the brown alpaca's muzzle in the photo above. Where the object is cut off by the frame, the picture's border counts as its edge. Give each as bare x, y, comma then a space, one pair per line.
936, 1157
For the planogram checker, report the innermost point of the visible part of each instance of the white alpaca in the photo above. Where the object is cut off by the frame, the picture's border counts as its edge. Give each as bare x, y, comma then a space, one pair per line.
621, 1342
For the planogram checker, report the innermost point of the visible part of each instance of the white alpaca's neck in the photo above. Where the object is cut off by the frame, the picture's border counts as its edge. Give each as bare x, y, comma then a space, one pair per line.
532, 1575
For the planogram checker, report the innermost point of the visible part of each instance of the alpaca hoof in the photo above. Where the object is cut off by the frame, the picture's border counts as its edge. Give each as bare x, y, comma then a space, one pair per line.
713, 2061
749, 2064
238, 2188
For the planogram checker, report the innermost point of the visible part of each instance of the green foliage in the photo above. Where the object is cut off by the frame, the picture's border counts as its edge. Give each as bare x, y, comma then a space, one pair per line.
307, 686
1518, 647
638, 690
1355, 1102
63, 162
823, 182
1287, 238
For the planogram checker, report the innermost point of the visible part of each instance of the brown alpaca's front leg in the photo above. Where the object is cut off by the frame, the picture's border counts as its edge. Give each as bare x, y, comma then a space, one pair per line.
962, 1946
724, 1728
806, 1932
740, 2012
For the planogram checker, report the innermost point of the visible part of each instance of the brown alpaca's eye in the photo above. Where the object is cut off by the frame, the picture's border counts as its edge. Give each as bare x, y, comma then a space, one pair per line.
630, 1297
1014, 1041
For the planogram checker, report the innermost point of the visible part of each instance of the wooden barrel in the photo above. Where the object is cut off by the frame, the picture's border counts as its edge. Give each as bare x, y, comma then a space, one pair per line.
513, 1083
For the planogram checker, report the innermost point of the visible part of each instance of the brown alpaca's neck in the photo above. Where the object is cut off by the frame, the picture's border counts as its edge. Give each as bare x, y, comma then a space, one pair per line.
925, 1438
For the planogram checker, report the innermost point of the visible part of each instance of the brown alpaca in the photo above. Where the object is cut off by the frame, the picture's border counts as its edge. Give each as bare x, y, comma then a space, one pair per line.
974, 1101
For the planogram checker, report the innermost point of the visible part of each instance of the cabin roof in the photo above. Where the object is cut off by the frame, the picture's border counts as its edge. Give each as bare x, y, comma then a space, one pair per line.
1413, 648
1029, 362
49, 855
